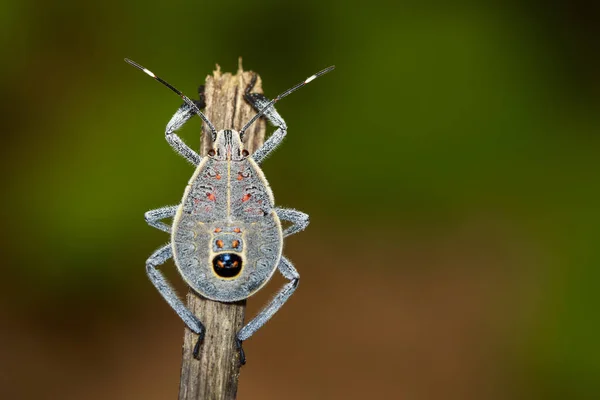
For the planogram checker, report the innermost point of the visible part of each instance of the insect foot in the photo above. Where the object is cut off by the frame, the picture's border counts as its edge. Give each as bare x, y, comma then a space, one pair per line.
238, 344
199, 342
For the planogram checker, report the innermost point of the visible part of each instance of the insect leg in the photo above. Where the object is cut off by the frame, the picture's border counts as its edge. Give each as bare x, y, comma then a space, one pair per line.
298, 219
164, 288
259, 101
289, 272
183, 114
153, 217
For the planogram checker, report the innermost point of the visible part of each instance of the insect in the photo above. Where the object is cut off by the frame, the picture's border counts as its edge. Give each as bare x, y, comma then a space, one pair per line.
226, 234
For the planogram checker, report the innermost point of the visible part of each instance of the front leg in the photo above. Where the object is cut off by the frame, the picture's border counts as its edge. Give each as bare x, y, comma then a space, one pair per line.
183, 114
298, 219
259, 101
164, 288
289, 272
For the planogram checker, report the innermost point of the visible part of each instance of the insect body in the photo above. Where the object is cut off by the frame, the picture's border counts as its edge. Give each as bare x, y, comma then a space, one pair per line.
226, 236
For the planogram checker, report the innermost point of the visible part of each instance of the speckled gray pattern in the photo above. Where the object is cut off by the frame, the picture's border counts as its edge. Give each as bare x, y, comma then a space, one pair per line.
227, 199
260, 248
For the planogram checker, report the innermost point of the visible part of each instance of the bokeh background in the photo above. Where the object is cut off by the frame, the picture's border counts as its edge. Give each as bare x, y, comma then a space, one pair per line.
449, 165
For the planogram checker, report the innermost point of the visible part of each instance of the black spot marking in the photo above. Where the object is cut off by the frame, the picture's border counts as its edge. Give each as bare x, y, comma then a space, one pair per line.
227, 265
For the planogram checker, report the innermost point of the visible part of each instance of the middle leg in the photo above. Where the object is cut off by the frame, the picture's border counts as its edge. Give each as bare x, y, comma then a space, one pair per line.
298, 219
153, 217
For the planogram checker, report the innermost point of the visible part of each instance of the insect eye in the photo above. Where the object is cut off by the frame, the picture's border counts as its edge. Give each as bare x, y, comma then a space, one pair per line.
245, 153
211, 152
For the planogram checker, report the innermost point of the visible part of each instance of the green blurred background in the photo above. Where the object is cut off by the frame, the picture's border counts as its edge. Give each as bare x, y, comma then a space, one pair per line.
449, 165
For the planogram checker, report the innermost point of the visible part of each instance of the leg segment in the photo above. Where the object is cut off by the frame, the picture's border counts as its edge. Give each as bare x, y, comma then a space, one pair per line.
259, 101
153, 217
164, 288
289, 272
183, 114
298, 219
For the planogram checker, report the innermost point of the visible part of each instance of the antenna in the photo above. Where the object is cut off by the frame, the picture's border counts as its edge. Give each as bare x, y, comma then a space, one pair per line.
282, 95
184, 97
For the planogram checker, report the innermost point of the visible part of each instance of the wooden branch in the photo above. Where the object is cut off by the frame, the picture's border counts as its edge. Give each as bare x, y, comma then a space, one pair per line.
215, 375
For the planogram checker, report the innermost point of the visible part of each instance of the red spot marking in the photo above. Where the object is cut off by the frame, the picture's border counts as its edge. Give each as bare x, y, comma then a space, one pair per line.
246, 197
235, 243
235, 263
211, 196
218, 176
220, 263
196, 201
240, 176
217, 230
219, 243
237, 230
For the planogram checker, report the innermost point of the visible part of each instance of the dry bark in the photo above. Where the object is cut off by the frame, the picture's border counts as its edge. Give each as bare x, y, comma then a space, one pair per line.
215, 375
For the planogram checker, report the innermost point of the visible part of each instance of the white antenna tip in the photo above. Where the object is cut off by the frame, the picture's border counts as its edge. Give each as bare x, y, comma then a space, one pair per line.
310, 79
149, 73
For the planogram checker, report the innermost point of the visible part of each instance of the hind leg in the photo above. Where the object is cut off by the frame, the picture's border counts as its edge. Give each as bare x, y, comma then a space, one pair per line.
289, 272
166, 290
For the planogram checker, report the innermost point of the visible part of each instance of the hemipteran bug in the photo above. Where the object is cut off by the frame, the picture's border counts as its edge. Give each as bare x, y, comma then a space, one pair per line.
226, 235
